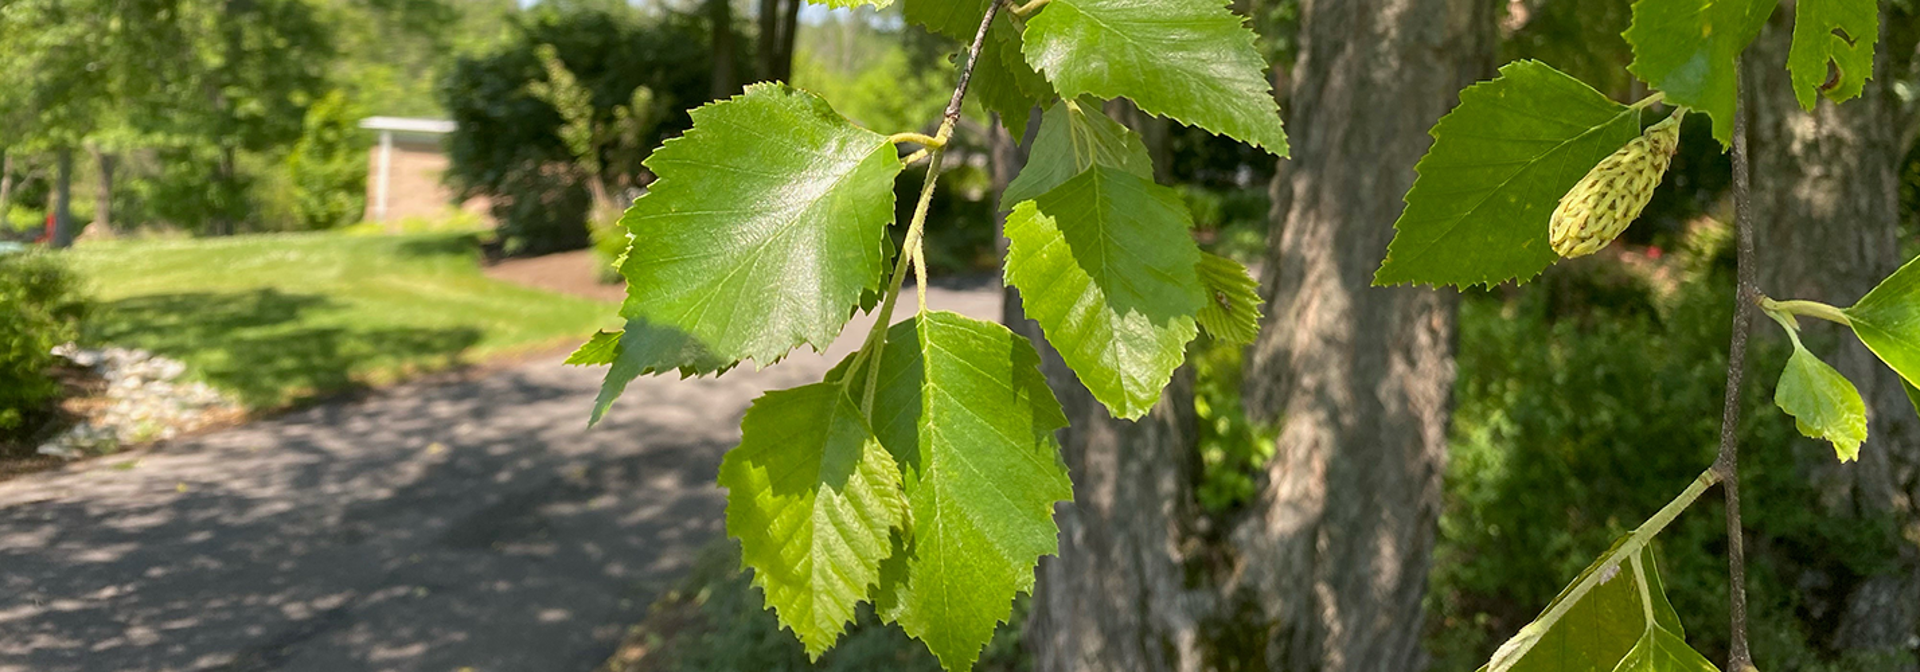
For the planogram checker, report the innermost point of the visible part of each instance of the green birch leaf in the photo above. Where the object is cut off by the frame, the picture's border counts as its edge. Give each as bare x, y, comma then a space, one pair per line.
966, 412
1887, 319
955, 19
814, 499
1074, 136
1105, 264
1688, 50
768, 223
1599, 631
1823, 403
598, 351
1837, 32
1478, 212
1913, 394
645, 349
841, 4
1232, 312
1190, 60
1662, 651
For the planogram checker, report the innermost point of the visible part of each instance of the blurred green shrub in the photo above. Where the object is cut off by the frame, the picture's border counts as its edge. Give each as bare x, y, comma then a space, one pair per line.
40, 308
1233, 449
327, 168
1585, 401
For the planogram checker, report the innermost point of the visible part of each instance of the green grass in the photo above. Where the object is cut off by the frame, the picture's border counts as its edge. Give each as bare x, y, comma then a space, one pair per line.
277, 319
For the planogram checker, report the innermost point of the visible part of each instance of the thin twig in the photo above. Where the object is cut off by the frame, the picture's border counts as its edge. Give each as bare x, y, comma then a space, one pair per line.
1747, 296
912, 249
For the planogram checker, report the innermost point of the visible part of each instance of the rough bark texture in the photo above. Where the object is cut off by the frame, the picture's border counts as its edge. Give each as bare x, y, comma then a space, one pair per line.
1326, 570
1361, 376
1827, 228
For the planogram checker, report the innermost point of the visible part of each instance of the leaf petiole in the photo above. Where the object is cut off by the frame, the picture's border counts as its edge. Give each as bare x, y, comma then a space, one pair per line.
1813, 309
930, 141
913, 248
1026, 10
1651, 100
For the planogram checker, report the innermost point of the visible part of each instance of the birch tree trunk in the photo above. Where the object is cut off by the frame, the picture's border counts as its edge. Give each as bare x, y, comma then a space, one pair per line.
1327, 569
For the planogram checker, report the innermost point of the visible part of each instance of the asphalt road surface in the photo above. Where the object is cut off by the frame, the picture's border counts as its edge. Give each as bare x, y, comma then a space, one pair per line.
469, 525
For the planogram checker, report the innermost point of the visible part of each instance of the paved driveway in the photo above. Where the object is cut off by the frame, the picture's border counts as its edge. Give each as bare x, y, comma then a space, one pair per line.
467, 525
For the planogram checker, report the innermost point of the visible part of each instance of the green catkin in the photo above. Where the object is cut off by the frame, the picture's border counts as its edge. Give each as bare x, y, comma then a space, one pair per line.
1611, 196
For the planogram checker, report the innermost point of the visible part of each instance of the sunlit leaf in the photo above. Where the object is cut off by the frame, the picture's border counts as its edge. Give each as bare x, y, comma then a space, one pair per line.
965, 410
1689, 49
768, 223
1075, 136
1193, 61
598, 351
1479, 211
1823, 403
1887, 319
814, 499
1232, 313
1840, 33
646, 349
1105, 264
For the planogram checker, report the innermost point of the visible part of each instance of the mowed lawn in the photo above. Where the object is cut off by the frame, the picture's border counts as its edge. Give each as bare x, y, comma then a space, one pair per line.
275, 319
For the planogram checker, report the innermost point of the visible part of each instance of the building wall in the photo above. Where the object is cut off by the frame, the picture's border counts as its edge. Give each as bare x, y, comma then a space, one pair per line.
415, 188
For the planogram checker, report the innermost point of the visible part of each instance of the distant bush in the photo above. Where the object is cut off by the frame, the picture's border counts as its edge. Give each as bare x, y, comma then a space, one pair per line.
328, 166
39, 309
509, 146
1579, 410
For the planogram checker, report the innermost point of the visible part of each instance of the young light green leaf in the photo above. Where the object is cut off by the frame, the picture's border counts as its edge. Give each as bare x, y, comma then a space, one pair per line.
646, 349
965, 410
1823, 403
1688, 50
601, 350
1105, 264
1837, 32
1479, 211
1074, 136
1191, 60
955, 19
1232, 312
767, 224
1599, 630
1887, 319
814, 499
838, 4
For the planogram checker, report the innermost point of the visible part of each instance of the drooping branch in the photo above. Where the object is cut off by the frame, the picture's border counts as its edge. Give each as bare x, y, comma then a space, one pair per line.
912, 248
1746, 298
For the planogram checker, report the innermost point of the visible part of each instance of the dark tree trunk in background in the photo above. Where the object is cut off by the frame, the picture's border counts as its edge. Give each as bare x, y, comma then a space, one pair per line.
226, 182
779, 23
6, 184
105, 162
726, 77
63, 199
1360, 376
1827, 225
1325, 571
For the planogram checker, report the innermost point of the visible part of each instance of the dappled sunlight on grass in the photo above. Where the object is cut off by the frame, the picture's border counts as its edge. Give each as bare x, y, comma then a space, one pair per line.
275, 319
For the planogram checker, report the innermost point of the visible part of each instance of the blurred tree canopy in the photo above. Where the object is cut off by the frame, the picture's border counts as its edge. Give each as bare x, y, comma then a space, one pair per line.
510, 146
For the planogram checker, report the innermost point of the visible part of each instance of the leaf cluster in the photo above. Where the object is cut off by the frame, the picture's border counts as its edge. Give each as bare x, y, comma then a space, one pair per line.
921, 475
